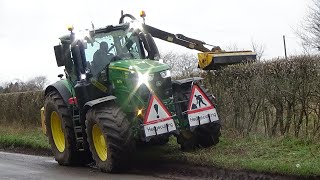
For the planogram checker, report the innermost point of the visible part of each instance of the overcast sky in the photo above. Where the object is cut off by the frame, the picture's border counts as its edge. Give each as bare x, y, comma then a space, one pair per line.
30, 29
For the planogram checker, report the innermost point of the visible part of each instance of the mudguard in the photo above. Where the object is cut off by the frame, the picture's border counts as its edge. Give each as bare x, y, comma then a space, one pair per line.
179, 85
61, 87
187, 80
63, 90
92, 103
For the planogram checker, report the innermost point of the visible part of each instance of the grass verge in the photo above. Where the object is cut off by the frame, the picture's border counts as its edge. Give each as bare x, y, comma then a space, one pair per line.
279, 155
15, 137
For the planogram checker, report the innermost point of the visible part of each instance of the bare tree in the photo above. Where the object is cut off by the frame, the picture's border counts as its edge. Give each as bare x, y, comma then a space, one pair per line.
310, 28
182, 64
232, 47
34, 84
258, 48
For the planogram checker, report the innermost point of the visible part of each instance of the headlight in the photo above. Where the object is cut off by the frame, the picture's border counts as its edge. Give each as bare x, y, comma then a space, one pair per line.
83, 76
144, 78
165, 74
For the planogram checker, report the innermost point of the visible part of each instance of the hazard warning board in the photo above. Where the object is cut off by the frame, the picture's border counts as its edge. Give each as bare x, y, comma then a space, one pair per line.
158, 119
200, 108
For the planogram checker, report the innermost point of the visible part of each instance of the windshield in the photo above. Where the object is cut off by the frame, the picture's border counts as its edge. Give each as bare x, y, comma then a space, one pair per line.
112, 46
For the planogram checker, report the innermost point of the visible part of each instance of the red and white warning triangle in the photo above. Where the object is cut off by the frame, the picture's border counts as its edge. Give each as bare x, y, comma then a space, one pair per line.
158, 119
200, 108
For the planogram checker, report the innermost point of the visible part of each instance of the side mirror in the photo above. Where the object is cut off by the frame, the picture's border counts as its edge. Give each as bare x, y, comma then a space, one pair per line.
58, 51
62, 53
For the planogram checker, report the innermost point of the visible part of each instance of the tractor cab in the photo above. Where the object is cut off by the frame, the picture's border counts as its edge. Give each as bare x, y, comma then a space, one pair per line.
90, 57
120, 44
92, 51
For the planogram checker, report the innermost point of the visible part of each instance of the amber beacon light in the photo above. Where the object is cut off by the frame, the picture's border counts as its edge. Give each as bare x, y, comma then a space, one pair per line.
142, 14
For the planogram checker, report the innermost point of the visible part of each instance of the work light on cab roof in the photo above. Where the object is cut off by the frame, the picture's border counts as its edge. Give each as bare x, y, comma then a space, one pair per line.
142, 14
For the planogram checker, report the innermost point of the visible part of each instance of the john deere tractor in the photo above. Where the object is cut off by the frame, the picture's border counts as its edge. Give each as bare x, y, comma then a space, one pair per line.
117, 93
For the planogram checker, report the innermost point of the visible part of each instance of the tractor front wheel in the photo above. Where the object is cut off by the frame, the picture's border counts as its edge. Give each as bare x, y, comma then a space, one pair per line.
109, 136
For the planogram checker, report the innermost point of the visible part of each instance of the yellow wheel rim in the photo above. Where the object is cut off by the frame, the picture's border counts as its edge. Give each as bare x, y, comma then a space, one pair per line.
99, 142
57, 132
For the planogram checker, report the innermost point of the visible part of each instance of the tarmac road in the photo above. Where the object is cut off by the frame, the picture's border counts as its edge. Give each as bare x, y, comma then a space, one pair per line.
20, 166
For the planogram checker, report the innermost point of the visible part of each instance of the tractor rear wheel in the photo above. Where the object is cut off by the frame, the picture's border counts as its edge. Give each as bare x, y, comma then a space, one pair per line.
187, 141
109, 136
205, 135
61, 134
208, 134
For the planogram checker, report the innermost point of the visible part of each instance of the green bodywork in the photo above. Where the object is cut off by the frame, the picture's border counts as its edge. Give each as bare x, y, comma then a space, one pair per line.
121, 75
69, 86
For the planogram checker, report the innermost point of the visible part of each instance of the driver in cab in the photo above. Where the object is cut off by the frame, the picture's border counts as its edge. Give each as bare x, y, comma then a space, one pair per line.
101, 57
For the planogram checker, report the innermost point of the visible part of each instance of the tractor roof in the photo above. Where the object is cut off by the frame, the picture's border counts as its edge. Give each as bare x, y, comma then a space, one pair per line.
66, 38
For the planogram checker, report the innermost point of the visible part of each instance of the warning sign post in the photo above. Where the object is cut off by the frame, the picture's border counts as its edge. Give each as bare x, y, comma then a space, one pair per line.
200, 108
158, 119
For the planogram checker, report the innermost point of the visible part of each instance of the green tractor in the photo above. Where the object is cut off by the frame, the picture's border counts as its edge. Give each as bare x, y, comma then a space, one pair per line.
117, 93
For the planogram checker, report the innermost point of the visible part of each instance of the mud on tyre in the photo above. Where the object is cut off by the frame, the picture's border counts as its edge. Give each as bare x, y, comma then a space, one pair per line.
109, 136
61, 134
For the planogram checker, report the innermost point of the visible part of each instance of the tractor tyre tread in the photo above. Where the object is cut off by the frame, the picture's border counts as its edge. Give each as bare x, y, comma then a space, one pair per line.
117, 131
70, 156
208, 134
205, 135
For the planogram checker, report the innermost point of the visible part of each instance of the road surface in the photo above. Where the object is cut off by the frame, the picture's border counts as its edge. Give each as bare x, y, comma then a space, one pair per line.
20, 166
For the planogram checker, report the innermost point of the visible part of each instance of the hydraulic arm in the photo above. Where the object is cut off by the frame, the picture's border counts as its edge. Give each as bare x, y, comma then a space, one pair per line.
208, 59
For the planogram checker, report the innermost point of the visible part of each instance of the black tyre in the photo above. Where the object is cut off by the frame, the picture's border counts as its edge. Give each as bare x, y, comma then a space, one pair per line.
205, 135
109, 136
208, 134
187, 141
61, 134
